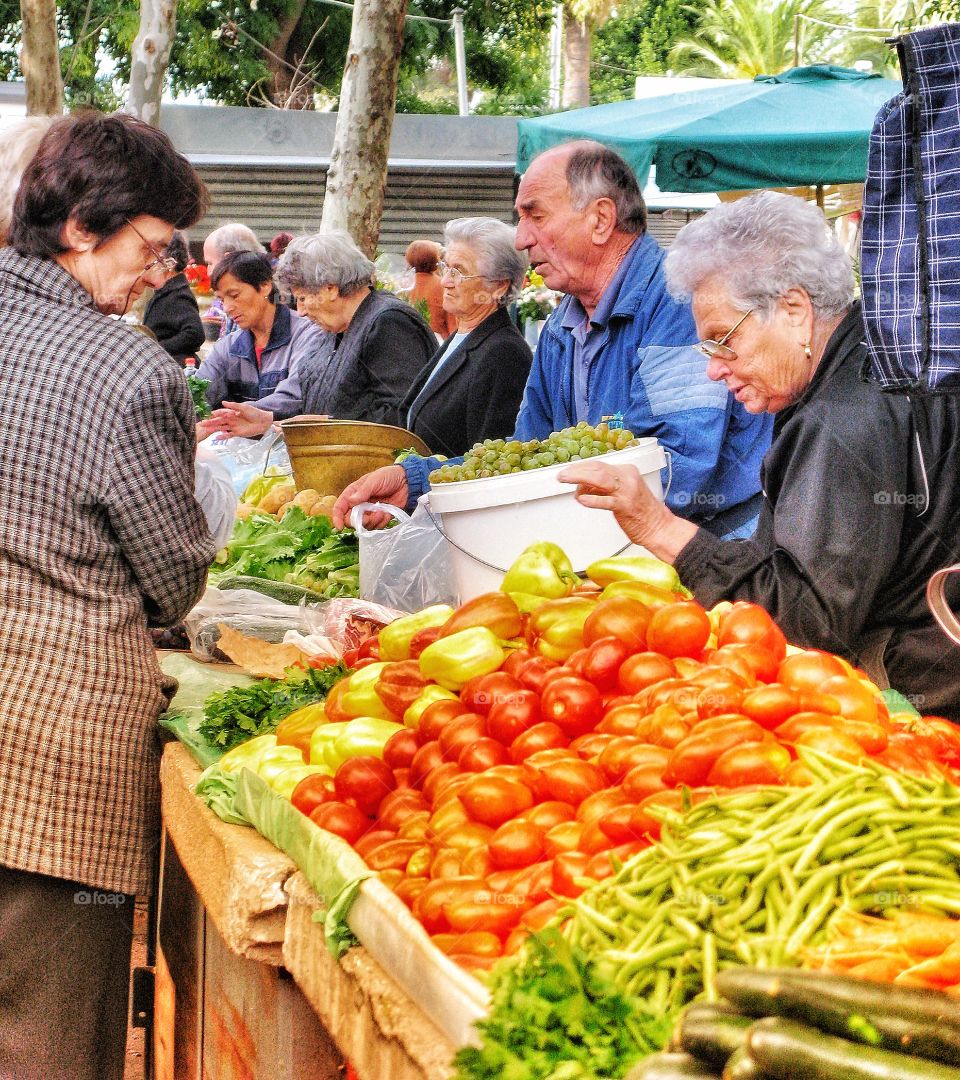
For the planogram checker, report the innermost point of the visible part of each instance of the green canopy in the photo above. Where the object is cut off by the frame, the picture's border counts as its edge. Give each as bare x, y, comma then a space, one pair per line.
806, 126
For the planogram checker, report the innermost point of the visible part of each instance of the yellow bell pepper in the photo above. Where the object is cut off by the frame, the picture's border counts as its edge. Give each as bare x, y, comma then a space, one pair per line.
248, 754
433, 692
364, 735
287, 781
635, 568
324, 735
361, 697
453, 661
395, 638
275, 761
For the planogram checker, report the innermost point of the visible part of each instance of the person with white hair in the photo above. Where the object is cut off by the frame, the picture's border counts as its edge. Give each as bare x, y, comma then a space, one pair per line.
860, 486
225, 240
18, 144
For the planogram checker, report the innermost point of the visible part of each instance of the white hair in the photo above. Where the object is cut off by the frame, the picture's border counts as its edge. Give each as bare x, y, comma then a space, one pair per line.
233, 237
18, 145
326, 258
759, 248
493, 243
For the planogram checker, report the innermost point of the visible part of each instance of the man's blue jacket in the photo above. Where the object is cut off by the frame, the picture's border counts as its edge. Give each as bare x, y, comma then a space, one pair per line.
647, 371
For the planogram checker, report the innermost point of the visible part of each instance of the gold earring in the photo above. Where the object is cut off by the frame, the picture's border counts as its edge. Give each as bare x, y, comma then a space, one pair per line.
806, 350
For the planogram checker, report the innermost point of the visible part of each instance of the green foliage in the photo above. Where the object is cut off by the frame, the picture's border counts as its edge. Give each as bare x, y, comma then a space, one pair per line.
638, 40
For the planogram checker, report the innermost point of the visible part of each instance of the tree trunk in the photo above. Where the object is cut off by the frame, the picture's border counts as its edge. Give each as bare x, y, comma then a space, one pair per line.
283, 87
576, 62
357, 176
40, 58
149, 57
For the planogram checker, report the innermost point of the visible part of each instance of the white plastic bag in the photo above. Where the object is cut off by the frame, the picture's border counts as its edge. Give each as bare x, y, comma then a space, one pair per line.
406, 566
246, 459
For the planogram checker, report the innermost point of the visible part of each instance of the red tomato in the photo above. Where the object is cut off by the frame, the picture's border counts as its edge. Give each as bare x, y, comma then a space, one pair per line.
645, 821
809, 670
800, 722
372, 839
313, 791
543, 736
615, 758
737, 660
409, 888
533, 673
547, 814
562, 837
342, 819
679, 629
644, 669
493, 800
476, 860
393, 854
514, 715
646, 779
436, 716
474, 943
591, 745
599, 803
606, 863
620, 617
797, 774
833, 742
448, 863
445, 819
448, 784
568, 867
748, 624
515, 940
873, 737
516, 844
754, 763
436, 778
485, 911
573, 704
601, 662
771, 705
693, 758
763, 663
473, 963
594, 839
399, 750
570, 781
538, 917
415, 827
723, 697
398, 806
460, 732
617, 824
532, 883
428, 757
856, 700
480, 694
428, 906
364, 781
469, 835
664, 727
482, 754
515, 661
622, 719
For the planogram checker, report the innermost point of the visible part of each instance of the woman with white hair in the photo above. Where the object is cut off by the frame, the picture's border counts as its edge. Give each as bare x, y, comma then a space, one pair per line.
860, 487
381, 343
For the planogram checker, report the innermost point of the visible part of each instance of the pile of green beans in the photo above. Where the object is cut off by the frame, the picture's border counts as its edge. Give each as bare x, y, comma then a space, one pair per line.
753, 877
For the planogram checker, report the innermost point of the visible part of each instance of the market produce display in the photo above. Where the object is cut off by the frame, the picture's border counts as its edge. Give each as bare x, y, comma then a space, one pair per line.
500, 457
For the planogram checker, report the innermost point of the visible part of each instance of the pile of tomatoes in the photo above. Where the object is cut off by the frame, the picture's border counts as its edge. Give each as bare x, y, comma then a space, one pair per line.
504, 803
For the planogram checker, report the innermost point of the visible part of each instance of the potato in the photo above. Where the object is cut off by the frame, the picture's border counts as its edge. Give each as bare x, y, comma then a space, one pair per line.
306, 499
244, 510
323, 506
276, 497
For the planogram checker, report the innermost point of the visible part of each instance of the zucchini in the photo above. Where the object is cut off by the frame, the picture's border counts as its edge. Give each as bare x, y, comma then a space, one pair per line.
741, 1066
276, 590
910, 1020
786, 1050
670, 1066
711, 1033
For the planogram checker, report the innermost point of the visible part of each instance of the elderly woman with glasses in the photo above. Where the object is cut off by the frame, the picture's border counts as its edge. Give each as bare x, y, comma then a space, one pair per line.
861, 487
379, 342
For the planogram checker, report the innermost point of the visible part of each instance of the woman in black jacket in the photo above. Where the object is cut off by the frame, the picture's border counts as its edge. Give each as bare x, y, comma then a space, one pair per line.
172, 313
471, 388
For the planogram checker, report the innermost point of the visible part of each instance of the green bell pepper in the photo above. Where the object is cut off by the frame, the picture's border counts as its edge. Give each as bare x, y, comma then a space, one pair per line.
453, 661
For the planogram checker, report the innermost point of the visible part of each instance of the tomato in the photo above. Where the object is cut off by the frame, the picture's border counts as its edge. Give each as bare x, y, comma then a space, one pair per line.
428, 906
520, 773
642, 670
428, 757
393, 854
364, 780
342, 819
856, 700
421, 639
398, 806
617, 824
533, 673
646, 779
485, 911
761, 663
448, 863
516, 660
873, 737
797, 774
473, 943
532, 883
833, 742
547, 814
493, 800
535, 762
723, 697
471, 834
372, 839
591, 745
476, 860
473, 963
516, 844
538, 917
664, 727
770, 706
622, 719
312, 791
753, 763
568, 867
515, 940
809, 670
435, 718
748, 624
460, 732
543, 736
562, 837
415, 827
570, 781
606, 863
514, 715
601, 662
573, 704
436, 778
644, 755
399, 750
620, 617
599, 803
409, 888
445, 819
645, 821
482, 754
680, 629
800, 722
594, 839
480, 694
448, 784
615, 758
693, 758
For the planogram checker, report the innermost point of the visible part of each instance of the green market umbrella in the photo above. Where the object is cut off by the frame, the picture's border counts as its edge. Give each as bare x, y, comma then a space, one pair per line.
806, 126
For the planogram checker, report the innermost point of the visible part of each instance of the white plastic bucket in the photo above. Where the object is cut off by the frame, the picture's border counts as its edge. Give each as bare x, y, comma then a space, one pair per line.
490, 521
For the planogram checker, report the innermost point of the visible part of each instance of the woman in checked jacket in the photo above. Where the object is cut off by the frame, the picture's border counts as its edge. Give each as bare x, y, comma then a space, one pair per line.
100, 539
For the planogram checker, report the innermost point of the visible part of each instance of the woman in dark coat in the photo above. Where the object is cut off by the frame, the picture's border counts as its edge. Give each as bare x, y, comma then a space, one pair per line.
172, 313
471, 389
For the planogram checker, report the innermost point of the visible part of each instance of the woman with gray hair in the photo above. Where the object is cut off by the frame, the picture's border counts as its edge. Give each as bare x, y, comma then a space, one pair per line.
772, 296
380, 342
471, 389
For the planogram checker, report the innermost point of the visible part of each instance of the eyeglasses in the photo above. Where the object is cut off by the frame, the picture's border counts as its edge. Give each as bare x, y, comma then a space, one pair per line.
720, 350
455, 275
166, 263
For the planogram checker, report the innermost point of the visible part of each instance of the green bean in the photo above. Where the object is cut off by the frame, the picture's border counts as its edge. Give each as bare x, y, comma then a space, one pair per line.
814, 918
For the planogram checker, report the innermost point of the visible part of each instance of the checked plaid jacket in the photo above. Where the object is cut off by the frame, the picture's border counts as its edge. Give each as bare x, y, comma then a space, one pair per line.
100, 536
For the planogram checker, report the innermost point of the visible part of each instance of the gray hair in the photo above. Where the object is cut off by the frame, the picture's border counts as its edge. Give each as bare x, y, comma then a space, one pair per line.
594, 171
493, 243
760, 247
326, 258
233, 237
18, 145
